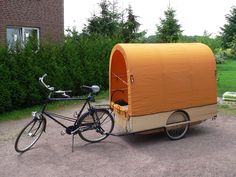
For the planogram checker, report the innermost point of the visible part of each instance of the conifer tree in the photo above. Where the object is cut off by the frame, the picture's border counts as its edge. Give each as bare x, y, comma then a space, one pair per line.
169, 30
228, 33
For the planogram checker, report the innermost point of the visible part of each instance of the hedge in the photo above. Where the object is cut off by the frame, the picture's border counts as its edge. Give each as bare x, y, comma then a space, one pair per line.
77, 61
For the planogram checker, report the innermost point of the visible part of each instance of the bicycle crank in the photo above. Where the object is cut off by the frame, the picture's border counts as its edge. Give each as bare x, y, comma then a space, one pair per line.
70, 129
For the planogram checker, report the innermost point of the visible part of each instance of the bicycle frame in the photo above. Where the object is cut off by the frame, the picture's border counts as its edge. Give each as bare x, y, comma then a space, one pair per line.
54, 116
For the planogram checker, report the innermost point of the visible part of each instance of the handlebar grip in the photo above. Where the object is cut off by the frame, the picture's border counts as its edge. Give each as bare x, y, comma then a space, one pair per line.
41, 78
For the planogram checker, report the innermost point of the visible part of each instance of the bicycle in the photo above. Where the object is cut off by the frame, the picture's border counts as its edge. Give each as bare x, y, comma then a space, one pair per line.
92, 126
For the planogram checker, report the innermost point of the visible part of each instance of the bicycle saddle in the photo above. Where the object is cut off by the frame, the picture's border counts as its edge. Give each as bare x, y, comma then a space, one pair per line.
92, 89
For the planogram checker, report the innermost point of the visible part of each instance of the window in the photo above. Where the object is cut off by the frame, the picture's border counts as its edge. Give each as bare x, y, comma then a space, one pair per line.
30, 32
14, 36
21, 35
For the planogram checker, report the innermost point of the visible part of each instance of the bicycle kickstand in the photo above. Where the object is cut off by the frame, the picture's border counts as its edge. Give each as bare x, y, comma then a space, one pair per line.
72, 144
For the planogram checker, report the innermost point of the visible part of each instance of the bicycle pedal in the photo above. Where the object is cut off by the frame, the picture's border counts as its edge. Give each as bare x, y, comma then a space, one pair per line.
63, 132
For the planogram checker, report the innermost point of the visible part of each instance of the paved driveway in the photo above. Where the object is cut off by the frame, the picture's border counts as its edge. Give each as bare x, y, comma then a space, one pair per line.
209, 149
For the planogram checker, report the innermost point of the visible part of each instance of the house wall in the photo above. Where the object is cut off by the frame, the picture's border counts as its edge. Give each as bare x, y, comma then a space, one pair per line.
47, 15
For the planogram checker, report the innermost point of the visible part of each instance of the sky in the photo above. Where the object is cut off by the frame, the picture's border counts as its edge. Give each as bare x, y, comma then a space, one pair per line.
195, 16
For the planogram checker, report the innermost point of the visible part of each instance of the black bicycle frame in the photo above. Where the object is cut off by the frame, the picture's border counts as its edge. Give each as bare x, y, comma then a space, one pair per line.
54, 116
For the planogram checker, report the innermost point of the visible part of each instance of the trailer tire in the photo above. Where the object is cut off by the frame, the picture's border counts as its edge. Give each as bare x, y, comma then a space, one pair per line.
177, 132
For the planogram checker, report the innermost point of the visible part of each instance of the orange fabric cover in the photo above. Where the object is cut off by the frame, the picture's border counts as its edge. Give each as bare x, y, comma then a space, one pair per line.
165, 76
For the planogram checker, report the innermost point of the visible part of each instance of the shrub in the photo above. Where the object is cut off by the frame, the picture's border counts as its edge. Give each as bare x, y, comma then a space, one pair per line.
213, 43
233, 47
79, 60
223, 54
220, 58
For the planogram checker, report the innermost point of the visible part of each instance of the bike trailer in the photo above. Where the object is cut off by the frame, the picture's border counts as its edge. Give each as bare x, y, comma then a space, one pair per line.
162, 85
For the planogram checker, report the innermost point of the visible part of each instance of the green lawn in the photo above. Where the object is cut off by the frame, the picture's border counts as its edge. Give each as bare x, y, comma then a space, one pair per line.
227, 109
226, 75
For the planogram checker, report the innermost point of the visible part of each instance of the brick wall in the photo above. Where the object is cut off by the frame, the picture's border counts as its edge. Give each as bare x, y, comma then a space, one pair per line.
47, 15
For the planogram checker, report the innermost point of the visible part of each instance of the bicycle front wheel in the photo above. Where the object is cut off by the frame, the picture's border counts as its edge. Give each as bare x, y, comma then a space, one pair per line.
94, 132
29, 135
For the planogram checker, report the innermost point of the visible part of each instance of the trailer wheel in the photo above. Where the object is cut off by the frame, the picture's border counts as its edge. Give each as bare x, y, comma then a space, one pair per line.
177, 125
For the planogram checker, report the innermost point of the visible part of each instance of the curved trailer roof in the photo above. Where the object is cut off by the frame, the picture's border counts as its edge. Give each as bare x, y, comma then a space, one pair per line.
156, 78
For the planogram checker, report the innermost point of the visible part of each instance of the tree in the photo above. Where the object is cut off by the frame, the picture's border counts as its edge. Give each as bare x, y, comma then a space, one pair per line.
169, 30
111, 23
106, 23
213, 42
129, 31
150, 39
228, 33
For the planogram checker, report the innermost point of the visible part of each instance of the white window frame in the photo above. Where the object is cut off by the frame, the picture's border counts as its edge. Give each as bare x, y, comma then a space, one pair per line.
29, 28
23, 32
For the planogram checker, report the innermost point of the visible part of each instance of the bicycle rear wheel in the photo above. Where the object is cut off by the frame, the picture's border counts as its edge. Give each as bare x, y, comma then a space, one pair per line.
29, 135
93, 133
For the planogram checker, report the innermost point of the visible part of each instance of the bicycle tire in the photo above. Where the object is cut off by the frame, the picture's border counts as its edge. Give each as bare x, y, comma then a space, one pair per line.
88, 130
36, 128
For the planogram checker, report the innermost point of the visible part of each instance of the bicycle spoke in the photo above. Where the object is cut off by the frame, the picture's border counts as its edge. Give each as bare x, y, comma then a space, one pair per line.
178, 131
29, 135
86, 127
104, 120
99, 130
32, 126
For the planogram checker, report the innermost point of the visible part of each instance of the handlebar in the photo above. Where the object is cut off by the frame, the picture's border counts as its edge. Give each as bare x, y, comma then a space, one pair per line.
51, 89
45, 85
92, 89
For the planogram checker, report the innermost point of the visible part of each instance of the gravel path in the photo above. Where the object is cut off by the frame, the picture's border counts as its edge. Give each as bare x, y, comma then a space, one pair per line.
209, 149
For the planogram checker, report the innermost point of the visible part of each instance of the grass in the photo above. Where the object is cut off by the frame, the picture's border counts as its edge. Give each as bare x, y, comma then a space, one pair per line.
22, 113
227, 109
226, 75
